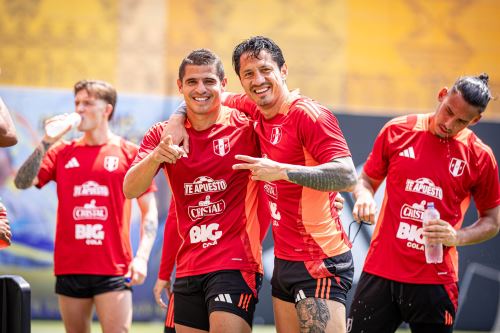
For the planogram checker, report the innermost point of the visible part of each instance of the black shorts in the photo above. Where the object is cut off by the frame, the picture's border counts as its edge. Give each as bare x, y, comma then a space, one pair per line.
169, 317
381, 305
230, 291
87, 286
329, 278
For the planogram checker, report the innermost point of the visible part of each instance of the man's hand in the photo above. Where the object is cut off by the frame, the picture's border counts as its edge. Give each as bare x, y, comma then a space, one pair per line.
166, 151
440, 231
137, 271
339, 203
365, 208
161, 285
262, 168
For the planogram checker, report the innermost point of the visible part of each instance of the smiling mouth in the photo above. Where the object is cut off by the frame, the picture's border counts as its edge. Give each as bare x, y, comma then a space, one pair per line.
261, 90
200, 99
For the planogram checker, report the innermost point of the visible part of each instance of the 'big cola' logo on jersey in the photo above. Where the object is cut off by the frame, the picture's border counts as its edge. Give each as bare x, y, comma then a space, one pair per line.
206, 234
271, 190
412, 234
204, 184
414, 212
206, 208
90, 188
92, 233
424, 186
90, 212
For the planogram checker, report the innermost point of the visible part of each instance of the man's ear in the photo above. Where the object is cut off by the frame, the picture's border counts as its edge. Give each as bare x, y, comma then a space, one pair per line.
284, 72
179, 85
475, 120
223, 84
442, 93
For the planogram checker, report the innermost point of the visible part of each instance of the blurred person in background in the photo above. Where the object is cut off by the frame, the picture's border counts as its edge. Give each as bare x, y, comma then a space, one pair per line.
8, 137
424, 158
93, 260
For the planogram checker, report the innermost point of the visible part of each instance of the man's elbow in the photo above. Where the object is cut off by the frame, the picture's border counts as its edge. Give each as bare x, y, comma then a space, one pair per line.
129, 192
8, 140
351, 183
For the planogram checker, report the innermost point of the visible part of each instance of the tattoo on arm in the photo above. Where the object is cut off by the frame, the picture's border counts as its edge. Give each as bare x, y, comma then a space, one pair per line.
325, 177
313, 315
150, 227
28, 171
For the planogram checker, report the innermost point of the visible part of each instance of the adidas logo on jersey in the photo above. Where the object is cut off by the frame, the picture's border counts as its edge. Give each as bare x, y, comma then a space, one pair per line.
408, 153
72, 163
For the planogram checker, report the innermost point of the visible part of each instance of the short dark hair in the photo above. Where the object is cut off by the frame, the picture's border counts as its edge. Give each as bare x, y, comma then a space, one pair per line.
254, 46
474, 90
99, 89
202, 57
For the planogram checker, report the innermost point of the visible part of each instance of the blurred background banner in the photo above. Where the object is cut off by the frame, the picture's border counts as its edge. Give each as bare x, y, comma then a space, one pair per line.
368, 61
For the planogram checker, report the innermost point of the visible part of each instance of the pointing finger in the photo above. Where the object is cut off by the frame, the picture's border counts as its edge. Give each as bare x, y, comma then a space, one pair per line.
246, 158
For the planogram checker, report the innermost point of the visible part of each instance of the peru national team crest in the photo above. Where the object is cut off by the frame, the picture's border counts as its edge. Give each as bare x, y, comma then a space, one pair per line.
221, 146
276, 135
457, 167
111, 163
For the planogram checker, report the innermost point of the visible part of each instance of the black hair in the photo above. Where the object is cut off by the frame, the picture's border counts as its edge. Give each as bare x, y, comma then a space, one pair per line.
254, 46
202, 57
474, 90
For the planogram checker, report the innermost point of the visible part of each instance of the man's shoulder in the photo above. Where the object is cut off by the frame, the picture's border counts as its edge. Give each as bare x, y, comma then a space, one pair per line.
303, 105
411, 122
474, 144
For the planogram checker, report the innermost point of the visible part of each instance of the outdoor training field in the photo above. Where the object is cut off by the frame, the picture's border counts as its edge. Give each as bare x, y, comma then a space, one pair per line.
42, 326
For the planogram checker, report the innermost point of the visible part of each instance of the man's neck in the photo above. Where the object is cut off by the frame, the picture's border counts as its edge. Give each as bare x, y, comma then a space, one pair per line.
201, 122
97, 137
280, 106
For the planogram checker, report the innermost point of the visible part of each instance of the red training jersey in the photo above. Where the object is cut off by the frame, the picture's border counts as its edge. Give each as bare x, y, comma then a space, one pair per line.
306, 226
93, 215
216, 206
421, 167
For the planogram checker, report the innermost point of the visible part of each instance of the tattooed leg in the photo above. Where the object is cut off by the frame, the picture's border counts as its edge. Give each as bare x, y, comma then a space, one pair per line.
313, 315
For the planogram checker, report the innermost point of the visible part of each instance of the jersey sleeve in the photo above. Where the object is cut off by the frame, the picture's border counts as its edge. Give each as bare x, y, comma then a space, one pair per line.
171, 244
47, 170
377, 163
149, 142
486, 192
320, 132
242, 103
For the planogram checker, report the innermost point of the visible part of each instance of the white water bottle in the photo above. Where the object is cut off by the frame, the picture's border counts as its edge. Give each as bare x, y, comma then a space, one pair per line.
57, 126
433, 252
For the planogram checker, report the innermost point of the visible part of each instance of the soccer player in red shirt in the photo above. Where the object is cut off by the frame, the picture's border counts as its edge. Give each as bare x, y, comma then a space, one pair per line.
305, 163
219, 269
93, 254
8, 137
424, 158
